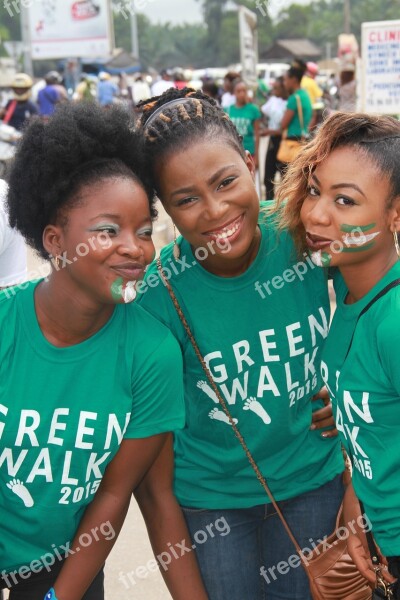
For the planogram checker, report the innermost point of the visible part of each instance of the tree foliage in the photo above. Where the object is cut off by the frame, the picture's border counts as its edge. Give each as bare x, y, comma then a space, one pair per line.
215, 42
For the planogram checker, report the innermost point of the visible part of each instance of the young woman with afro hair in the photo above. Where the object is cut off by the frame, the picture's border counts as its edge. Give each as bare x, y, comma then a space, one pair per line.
90, 383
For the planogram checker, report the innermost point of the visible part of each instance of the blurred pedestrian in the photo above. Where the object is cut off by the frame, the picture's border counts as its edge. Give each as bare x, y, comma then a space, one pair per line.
274, 109
12, 247
107, 90
49, 96
20, 108
347, 90
163, 84
246, 117
228, 97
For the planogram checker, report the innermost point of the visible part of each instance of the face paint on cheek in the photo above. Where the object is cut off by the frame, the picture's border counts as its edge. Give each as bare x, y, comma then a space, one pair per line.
120, 292
351, 239
116, 289
321, 259
359, 248
351, 228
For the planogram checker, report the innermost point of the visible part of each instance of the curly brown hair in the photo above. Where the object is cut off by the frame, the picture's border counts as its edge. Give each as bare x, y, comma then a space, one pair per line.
377, 137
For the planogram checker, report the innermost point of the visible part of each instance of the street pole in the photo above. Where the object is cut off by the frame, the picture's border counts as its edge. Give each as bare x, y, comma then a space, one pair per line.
26, 40
347, 27
134, 32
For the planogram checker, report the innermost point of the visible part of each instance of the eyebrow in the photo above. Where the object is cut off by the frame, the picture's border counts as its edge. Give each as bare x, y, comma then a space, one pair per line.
209, 181
106, 216
352, 186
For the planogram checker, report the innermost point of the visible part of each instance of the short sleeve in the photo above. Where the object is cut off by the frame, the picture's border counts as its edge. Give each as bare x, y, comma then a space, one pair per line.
256, 112
157, 390
291, 103
266, 108
388, 341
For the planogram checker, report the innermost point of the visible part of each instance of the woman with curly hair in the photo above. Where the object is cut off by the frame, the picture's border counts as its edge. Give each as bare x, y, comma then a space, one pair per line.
341, 201
90, 385
260, 329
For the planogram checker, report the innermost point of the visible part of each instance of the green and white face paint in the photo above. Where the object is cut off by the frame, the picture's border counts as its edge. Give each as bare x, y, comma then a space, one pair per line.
126, 292
356, 239
320, 258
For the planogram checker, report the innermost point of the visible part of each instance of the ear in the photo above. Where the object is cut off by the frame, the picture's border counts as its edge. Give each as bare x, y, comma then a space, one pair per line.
395, 215
53, 240
250, 164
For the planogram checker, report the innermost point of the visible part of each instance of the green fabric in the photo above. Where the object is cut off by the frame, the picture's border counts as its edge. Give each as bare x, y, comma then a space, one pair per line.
229, 319
366, 396
243, 118
77, 402
294, 129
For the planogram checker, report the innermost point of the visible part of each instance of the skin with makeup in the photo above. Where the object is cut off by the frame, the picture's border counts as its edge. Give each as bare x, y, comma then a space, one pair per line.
341, 200
264, 370
95, 381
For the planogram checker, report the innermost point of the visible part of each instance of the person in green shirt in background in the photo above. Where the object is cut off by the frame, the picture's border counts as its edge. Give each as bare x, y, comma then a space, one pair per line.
260, 328
90, 384
246, 117
342, 201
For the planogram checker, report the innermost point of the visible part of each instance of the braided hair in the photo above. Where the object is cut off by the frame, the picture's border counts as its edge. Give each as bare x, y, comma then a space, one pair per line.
197, 117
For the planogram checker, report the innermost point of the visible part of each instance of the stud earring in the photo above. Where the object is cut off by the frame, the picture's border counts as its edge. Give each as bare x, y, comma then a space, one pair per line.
396, 242
176, 250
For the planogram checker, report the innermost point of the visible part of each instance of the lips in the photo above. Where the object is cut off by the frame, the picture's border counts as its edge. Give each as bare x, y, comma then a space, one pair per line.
317, 242
227, 231
129, 271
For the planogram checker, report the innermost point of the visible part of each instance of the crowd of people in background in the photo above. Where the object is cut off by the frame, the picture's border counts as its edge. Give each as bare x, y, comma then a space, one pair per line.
265, 110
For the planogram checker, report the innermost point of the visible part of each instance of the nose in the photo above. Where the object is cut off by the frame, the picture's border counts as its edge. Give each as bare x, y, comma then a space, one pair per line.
316, 212
215, 209
130, 246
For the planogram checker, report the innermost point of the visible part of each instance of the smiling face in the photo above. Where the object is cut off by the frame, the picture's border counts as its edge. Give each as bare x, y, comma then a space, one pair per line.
208, 190
105, 241
346, 214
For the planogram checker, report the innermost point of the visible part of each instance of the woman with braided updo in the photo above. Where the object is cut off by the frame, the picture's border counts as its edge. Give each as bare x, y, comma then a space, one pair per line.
90, 383
259, 318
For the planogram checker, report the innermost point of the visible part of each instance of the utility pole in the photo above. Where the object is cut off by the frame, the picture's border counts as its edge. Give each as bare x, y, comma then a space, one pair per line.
347, 27
134, 32
26, 39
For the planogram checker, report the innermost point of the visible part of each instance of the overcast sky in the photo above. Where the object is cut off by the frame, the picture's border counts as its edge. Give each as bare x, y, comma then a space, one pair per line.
189, 11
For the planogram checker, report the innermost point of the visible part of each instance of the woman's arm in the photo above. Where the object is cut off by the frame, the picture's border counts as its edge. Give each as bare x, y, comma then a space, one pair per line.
167, 528
286, 120
106, 512
256, 126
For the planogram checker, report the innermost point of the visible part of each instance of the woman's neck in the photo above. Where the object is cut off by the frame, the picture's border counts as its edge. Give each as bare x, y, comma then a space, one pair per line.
361, 278
65, 314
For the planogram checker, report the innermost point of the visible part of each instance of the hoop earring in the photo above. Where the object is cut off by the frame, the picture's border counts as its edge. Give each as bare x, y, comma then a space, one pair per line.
176, 250
396, 242
57, 262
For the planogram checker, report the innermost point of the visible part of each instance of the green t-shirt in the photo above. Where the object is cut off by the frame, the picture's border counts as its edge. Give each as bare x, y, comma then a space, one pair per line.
64, 413
365, 391
294, 129
243, 118
263, 350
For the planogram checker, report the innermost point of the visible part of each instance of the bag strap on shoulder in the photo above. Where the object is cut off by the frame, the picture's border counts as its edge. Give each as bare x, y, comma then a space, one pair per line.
226, 410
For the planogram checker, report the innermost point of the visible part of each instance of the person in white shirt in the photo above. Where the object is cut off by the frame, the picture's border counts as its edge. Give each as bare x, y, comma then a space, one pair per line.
13, 267
273, 109
163, 84
228, 97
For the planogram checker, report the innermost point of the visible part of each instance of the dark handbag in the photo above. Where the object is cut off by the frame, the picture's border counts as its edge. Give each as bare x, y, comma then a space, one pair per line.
382, 589
331, 572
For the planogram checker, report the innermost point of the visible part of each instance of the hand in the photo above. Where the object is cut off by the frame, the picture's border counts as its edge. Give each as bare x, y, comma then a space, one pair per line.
324, 417
356, 525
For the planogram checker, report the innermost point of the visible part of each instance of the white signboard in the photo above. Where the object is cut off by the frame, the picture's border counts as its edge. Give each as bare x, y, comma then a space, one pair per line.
62, 28
380, 92
248, 45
